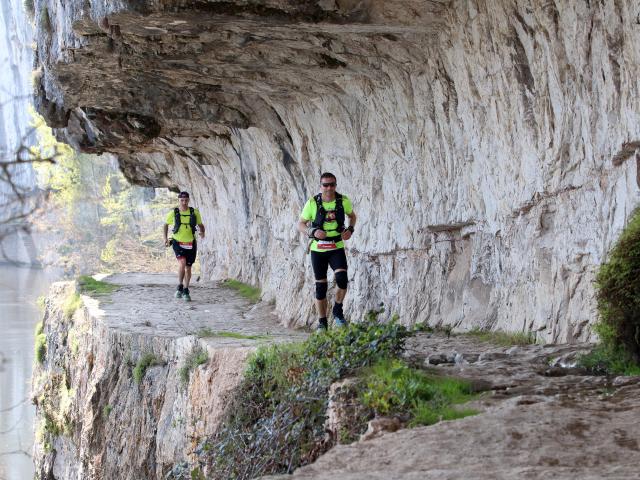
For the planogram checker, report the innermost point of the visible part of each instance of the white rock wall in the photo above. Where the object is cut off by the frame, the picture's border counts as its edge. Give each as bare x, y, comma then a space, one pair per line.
479, 154
481, 170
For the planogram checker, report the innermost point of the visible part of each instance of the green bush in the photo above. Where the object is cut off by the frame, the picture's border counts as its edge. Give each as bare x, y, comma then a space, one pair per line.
41, 347
106, 411
277, 423
147, 360
45, 21
71, 304
618, 296
29, 8
197, 357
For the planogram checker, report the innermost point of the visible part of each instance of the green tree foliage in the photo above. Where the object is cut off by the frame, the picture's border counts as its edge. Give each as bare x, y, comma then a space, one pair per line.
618, 294
95, 220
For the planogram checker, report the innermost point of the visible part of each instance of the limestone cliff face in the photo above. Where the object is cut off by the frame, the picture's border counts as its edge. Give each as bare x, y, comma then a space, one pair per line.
489, 147
97, 417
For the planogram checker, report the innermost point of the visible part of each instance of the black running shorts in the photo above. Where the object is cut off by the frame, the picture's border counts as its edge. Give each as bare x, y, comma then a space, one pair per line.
189, 254
321, 261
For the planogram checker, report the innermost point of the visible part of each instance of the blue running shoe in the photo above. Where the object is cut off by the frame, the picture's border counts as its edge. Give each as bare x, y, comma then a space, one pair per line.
338, 316
323, 325
339, 322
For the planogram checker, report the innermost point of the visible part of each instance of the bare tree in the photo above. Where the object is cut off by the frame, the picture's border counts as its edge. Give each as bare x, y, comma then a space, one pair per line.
20, 202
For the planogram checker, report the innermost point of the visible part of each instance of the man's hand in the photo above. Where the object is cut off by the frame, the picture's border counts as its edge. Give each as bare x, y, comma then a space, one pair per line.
166, 242
201, 234
346, 235
320, 234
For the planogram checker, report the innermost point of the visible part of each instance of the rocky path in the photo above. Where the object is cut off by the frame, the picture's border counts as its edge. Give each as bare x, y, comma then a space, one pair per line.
541, 419
145, 304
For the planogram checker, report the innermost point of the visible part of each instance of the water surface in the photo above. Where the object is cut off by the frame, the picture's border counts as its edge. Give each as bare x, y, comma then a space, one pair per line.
19, 313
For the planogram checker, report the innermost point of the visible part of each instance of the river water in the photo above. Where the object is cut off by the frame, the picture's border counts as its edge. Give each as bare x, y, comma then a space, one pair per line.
19, 313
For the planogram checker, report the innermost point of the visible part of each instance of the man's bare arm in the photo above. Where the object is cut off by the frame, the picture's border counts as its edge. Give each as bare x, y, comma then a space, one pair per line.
165, 232
352, 219
303, 225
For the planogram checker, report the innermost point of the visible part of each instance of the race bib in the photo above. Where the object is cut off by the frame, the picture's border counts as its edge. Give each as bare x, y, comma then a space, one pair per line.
186, 245
326, 244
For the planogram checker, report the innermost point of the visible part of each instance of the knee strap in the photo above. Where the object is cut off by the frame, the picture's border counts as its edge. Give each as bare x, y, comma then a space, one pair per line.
321, 290
342, 279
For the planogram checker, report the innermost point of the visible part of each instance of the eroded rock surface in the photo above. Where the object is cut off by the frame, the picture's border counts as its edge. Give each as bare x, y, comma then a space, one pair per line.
490, 148
541, 418
95, 419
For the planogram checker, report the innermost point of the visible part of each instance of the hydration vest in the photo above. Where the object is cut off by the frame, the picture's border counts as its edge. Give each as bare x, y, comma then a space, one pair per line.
177, 221
321, 213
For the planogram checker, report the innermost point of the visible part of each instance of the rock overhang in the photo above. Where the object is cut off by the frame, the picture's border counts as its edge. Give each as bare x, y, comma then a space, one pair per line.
214, 66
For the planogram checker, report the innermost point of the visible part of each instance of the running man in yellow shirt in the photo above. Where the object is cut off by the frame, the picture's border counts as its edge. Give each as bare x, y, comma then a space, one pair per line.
322, 220
184, 219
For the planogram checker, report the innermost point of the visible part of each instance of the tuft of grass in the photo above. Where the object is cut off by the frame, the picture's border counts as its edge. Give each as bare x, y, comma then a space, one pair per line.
609, 360
106, 411
247, 291
422, 327
505, 339
71, 304
41, 347
197, 357
618, 296
146, 360
90, 285
392, 387
207, 333
45, 21
29, 8
42, 303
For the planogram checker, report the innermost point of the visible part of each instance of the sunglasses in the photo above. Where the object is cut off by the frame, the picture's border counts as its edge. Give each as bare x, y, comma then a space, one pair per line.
330, 184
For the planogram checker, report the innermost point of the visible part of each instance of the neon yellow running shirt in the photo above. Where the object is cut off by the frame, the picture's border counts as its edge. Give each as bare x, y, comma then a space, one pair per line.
184, 234
309, 215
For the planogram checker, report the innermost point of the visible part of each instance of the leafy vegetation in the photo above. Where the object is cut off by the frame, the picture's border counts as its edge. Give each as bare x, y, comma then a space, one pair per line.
41, 302
504, 338
249, 292
95, 220
45, 21
41, 346
197, 357
71, 304
609, 359
90, 285
618, 295
277, 421
146, 360
207, 332
29, 8
392, 387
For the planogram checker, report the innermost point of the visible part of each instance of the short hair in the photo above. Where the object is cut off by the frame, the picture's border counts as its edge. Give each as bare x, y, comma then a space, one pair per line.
328, 175
183, 195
